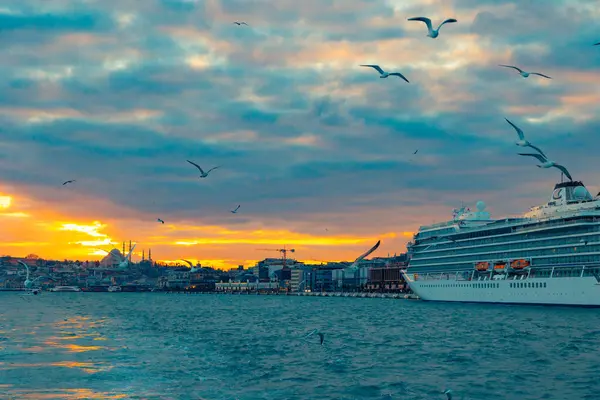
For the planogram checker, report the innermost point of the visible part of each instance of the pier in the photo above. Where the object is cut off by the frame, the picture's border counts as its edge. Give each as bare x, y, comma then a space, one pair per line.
403, 296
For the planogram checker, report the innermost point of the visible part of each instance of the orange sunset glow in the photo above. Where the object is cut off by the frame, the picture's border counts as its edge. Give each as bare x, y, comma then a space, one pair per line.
51, 234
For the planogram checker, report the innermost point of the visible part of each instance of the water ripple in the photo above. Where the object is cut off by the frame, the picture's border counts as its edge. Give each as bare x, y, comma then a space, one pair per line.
154, 346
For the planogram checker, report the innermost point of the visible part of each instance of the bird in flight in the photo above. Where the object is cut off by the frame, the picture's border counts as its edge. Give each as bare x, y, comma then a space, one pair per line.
524, 74
548, 164
321, 336
433, 33
160, 220
382, 73
240, 23
235, 211
522, 142
67, 182
448, 393
416, 151
597, 44
188, 263
202, 173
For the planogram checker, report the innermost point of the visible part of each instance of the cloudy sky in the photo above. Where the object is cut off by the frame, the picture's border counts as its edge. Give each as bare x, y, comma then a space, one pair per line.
118, 94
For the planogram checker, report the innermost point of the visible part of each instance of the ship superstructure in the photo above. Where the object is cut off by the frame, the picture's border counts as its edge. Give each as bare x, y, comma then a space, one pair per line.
553, 251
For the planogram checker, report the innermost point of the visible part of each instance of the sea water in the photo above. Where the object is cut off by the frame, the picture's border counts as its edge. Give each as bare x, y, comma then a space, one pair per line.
176, 346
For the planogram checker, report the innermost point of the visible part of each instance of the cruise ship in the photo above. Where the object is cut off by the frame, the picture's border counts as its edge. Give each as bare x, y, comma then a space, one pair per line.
550, 255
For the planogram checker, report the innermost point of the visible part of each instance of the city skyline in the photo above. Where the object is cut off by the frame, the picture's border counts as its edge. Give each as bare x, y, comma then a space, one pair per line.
317, 150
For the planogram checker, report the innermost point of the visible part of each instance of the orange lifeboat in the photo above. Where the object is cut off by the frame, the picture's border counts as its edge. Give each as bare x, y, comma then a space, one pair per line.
499, 266
482, 266
519, 264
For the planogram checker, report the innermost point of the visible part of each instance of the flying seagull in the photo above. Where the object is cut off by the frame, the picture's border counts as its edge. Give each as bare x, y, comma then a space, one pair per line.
384, 74
27, 282
202, 173
67, 182
188, 263
318, 333
123, 261
524, 74
522, 142
416, 151
597, 44
160, 220
548, 164
240, 23
448, 393
235, 211
356, 262
433, 33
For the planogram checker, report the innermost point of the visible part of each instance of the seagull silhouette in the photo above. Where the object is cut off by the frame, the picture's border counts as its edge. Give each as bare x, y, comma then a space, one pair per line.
522, 142
160, 220
321, 336
448, 393
188, 263
202, 173
67, 182
382, 73
524, 74
416, 151
548, 164
597, 44
235, 211
432, 33
240, 23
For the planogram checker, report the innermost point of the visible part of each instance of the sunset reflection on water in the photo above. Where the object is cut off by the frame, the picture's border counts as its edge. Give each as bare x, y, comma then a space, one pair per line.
67, 394
50, 345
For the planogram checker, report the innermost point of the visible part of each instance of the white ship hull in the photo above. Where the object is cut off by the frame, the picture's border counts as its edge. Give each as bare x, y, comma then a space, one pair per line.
571, 291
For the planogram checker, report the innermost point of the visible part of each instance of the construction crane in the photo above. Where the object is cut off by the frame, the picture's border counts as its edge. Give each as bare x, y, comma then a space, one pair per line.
283, 251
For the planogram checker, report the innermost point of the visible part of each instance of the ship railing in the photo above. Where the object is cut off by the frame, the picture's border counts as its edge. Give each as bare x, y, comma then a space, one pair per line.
556, 221
548, 271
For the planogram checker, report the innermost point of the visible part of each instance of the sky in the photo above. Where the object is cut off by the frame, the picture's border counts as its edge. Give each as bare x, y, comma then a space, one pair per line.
318, 151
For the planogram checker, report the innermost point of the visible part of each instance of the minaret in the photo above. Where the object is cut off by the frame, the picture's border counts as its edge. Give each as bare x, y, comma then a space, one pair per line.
123, 249
143, 255
130, 250
150, 254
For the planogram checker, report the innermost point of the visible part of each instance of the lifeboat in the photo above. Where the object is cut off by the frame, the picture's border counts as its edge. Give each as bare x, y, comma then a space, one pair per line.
519, 264
499, 266
482, 266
